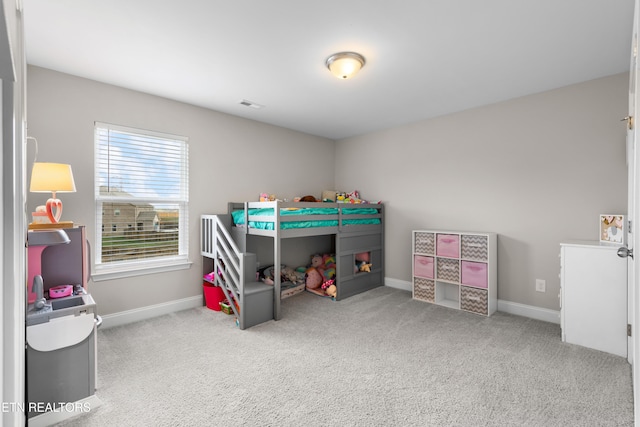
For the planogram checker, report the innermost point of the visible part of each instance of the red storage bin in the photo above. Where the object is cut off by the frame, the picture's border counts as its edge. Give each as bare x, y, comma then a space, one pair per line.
212, 295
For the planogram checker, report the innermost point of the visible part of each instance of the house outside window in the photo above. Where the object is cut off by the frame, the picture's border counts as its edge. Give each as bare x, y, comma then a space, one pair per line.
142, 190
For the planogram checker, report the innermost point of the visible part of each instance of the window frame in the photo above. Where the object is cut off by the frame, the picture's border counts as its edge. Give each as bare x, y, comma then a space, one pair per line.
136, 267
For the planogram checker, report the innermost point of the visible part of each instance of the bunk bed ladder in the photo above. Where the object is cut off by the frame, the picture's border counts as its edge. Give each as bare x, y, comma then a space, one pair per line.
235, 273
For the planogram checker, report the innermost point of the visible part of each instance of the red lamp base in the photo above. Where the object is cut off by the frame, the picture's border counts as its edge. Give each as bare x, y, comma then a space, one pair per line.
52, 204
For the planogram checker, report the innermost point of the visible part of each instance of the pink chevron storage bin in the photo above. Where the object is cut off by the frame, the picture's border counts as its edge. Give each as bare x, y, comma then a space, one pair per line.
423, 289
448, 269
473, 274
424, 243
423, 266
448, 245
474, 300
474, 247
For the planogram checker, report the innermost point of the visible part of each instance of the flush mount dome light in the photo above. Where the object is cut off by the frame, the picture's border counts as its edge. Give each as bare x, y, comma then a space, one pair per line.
345, 65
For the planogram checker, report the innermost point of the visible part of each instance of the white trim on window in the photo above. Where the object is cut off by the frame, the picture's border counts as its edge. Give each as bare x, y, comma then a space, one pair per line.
141, 201
130, 270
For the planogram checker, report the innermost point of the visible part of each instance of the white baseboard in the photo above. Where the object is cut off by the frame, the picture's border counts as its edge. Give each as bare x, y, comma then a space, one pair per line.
65, 412
518, 309
143, 313
538, 313
398, 284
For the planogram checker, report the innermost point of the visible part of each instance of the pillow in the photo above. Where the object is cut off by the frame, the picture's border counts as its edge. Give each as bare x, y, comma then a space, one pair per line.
363, 256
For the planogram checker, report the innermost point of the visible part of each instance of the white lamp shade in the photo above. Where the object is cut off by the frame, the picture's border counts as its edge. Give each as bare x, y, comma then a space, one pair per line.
52, 177
345, 64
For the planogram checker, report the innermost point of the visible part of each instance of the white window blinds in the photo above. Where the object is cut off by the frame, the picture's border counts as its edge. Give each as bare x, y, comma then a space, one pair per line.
141, 193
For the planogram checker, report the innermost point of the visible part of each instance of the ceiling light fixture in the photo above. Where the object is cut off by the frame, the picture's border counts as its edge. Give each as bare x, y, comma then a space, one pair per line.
345, 65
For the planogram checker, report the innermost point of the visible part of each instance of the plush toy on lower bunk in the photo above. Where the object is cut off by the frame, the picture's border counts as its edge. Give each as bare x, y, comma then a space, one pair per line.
363, 267
362, 263
291, 281
320, 275
330, 288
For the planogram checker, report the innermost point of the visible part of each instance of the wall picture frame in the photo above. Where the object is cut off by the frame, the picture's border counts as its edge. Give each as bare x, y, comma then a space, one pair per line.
613, 229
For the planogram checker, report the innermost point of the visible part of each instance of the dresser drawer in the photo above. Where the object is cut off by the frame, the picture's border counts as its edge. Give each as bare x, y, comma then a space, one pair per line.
473, 300
423, 289
474, 274
475, 247
448, 269
448, 245
424, 243
423, 266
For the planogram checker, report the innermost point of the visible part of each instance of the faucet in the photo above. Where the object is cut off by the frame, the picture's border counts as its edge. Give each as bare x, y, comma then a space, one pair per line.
38, 289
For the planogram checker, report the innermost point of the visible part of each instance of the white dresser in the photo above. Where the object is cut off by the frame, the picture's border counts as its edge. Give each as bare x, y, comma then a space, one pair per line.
593, 296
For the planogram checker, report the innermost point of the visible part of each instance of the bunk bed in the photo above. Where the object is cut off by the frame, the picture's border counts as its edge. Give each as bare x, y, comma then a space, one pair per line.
357, 228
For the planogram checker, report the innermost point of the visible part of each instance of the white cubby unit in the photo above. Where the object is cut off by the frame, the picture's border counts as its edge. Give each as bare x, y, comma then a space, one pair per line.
456, 269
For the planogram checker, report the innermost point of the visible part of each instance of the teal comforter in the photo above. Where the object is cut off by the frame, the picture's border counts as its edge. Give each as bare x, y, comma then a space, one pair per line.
238, 217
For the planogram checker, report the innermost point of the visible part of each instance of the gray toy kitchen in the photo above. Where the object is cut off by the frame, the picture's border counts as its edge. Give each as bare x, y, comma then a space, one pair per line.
61, 324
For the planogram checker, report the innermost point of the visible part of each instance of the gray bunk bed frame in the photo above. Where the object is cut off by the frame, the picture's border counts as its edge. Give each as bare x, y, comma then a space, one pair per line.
350, 240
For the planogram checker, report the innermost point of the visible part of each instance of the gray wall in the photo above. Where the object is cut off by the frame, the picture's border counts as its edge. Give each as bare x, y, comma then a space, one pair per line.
538, 170
230, 159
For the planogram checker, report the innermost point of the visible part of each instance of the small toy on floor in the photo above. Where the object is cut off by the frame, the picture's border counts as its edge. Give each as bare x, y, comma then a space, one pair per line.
330, 288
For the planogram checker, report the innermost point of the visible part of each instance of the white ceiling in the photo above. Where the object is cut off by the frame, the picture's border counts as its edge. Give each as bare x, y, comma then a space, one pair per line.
425, 58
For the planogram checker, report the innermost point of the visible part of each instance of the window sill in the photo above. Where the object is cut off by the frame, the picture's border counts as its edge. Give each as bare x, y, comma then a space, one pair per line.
121, 272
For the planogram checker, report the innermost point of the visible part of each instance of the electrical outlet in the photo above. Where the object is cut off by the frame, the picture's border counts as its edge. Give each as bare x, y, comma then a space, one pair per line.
541, 285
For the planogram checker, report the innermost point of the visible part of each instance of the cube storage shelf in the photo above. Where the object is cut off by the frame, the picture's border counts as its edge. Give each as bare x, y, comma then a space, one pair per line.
456, 269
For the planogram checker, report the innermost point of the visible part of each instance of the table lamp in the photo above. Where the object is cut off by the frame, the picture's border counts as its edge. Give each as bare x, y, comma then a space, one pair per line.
54, 178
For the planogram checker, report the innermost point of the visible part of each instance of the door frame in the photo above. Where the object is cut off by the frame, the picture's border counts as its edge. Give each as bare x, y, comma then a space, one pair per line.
633, 161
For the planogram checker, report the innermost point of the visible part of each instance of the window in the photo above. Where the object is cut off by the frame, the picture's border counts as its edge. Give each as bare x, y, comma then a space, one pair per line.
142, 179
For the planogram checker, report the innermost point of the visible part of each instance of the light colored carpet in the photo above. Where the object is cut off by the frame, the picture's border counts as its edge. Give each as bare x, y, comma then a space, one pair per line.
375, 359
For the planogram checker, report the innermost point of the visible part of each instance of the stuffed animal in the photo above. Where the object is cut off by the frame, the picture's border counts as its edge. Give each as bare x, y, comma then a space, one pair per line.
316, 261
363, 266
329, 260
363, 256
313, 278
300, 276
332, 291
352, 197
266, 274
329, 266
288, 274
329, 288
264, 197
